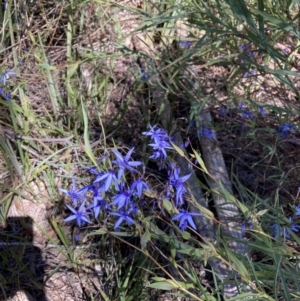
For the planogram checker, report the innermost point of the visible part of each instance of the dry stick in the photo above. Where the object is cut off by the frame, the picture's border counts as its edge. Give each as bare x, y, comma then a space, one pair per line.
228, 213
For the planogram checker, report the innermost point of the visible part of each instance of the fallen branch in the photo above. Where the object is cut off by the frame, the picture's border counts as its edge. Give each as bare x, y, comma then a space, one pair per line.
229, 215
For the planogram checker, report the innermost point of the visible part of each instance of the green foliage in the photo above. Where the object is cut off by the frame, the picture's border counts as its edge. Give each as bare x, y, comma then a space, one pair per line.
56, 135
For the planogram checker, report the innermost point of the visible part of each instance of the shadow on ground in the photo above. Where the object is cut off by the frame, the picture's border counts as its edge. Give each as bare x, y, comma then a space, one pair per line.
21, 265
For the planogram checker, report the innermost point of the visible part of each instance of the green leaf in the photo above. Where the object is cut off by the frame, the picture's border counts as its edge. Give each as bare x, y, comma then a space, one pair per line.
163, 285
60, 233
186, 235
172, 248
168, 206
238, 264
241, 10
97, 232
229, 197
168, 284
124, 234
200, 161
262, 212
72, 68
178, 150
279, 23
193, 252
145, 239
206, 212
86, 138
47, 67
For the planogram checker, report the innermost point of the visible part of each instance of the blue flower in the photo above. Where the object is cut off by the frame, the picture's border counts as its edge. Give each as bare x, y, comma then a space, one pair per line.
250, 73
144, 75
241, 105
294, 228
133, 208
106, 155
246, 225
244, 47
192, 123
160, 147
124, 163
123, 198
261, 111
177, 183
160, 143
5, 95
109, 177
139, 185
79, 215
98, 201
97, 205
75, 194
280, 231
184, 144
284, 130
297, 210
6, 75
93, 170
185, 219
156, 134
246, 74
159, 155
206, 133
171, 166
169, 189
123, 216
251, 55
286, 51
184, 44
222, 111
285, 230
247, 114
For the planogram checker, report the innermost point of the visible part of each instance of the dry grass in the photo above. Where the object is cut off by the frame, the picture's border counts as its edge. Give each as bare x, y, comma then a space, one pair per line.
87, 53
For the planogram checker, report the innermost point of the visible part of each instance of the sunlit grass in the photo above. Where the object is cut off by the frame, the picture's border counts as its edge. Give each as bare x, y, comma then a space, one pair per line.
71, 123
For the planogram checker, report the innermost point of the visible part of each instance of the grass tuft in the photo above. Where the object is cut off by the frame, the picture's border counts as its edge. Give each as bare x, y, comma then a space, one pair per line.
153, 216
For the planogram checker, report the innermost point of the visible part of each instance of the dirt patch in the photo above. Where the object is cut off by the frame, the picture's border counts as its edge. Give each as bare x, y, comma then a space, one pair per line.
123, 74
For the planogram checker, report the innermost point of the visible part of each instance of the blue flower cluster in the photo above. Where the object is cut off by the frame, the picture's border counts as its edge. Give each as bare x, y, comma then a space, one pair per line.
247, 114
3, 80
112, 184
283, 131
119, 191
160, 143
205, 132
279, 230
